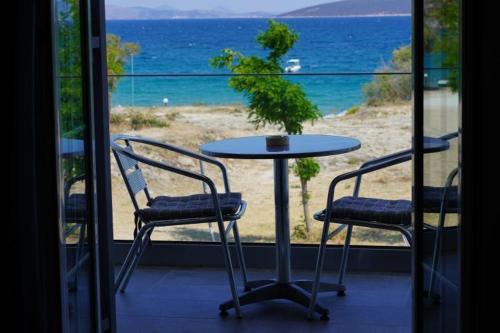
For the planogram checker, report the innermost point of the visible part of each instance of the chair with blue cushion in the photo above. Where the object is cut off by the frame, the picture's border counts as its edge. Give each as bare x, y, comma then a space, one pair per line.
376, 213
164, 211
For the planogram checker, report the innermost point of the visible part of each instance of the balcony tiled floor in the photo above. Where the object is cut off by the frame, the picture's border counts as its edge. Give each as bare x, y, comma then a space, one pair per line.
161, 299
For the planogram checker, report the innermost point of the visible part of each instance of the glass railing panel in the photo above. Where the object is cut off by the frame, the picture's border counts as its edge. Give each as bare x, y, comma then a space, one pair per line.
202, 109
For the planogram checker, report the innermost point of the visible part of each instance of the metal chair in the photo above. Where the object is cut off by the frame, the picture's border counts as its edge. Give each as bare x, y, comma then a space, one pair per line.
162, 211
384, 214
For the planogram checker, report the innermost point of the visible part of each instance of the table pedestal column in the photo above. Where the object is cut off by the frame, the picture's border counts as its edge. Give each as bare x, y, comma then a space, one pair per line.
282, 220
283, 287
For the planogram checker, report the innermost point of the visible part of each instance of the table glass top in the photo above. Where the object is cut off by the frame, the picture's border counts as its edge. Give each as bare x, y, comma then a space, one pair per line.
254, 147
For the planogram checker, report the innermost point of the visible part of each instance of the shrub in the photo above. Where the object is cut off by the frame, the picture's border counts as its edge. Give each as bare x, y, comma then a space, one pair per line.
300, 232
116, 118
391, 88
139, 120
172, 115
354, 161
352, 110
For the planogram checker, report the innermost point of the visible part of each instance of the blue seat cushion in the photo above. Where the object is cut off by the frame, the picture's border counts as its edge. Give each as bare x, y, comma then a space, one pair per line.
434, 195
370, 209
75, 208
189, 207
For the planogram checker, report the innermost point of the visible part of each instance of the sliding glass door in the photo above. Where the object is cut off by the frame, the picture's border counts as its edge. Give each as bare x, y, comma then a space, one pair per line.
80, 225
437, 174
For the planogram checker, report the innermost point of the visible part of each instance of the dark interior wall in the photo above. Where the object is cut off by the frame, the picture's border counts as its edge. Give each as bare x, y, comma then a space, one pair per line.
33, 233
479, 173
33, 251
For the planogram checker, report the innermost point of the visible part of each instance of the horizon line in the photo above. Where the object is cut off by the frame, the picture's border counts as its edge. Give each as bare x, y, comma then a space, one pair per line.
258, 17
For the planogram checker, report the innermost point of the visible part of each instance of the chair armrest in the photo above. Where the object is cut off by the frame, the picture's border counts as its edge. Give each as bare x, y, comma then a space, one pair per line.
450, 136
178, 150
391, 157
189, 174
358, 173
387, 157
71, 182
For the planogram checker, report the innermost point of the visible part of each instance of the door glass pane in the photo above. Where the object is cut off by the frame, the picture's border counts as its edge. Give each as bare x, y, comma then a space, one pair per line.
440, 193
72, 162
197, 109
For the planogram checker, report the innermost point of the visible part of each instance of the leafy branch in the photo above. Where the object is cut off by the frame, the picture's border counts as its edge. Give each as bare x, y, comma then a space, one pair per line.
272, 99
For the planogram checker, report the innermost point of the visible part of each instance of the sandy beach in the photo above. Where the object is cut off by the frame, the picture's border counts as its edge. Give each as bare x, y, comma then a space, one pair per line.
381, 130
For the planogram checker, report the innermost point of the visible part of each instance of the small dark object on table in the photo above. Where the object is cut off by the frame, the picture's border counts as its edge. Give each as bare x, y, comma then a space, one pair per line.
277, 140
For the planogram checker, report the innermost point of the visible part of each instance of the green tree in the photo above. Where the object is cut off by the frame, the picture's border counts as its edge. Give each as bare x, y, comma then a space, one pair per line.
70, 75
117, 55
70, 81
306, 169
69, 66
442, 35
273, 100
69, 58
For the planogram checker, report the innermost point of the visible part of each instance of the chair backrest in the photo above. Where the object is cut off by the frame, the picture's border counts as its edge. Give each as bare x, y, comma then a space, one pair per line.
130, 171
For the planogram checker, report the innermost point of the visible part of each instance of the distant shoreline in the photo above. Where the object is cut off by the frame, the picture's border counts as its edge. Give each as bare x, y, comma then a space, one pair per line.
342, 16
257, 17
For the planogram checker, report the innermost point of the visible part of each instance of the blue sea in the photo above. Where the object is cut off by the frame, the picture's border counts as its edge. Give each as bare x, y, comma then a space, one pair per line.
333, 45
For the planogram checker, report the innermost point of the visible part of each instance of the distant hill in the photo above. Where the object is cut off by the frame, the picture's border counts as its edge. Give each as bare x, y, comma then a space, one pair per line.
114, 12
354, 8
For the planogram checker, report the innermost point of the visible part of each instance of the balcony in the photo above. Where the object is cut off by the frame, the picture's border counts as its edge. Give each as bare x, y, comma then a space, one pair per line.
64, 181
180, 281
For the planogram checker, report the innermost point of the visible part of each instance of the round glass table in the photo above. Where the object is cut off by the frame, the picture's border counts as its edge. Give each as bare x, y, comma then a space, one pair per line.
299, 146
435, 145
71, 147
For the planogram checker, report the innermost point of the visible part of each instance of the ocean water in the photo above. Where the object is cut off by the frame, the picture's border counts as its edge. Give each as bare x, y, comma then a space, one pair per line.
327, 45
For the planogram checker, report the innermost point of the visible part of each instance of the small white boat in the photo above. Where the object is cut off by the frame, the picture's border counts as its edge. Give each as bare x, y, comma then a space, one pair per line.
293, 66
443, 83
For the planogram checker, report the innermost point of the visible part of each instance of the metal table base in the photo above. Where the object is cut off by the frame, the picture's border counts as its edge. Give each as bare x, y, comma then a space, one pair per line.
283, 287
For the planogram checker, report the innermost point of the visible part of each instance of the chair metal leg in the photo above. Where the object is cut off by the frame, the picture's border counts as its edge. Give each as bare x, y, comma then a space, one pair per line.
206, 190
405, 241
137, 258
442, 218
407, 236
129, 268
345, 257
437, 246
239, 252
211, 231
81, 242
146, 239
319, 267
230, 272
125, 265
435, 259
132, 253
79, 251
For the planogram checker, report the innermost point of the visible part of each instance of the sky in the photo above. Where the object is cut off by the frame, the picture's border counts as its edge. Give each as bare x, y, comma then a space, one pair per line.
277, 6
